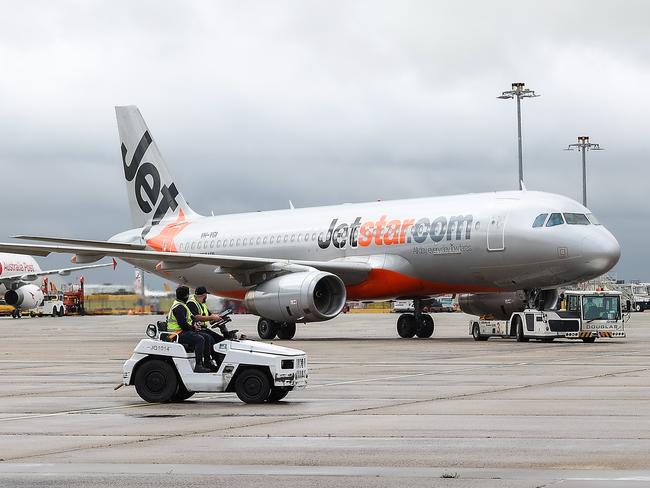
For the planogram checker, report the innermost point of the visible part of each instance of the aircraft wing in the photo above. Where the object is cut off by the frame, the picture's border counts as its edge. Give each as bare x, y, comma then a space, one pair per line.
60, 272
349, 270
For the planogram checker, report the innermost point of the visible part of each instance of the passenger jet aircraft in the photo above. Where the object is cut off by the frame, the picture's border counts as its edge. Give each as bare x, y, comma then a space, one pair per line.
16, 273
507, 249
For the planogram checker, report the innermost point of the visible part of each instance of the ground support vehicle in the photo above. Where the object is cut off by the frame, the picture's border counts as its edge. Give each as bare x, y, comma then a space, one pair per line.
584, 315
52, 306
163, 371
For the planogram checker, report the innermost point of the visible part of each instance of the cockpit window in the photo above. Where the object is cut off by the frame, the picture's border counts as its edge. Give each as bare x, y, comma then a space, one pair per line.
555, 219
576, 219
593, 219
539, 221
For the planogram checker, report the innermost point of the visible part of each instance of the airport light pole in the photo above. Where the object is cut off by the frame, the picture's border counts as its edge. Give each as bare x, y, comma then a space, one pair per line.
583, 145
518, 91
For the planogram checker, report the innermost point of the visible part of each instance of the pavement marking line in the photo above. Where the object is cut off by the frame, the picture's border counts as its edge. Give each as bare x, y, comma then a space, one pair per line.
319, 471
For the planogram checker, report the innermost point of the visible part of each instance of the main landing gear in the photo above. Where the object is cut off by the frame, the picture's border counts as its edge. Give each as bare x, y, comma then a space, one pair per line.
268, 329
415, 324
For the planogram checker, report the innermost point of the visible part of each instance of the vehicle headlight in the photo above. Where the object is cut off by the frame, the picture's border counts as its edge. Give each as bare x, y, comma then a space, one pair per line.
286, 364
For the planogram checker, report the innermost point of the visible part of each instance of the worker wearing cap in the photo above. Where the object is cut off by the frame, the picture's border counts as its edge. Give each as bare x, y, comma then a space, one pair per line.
181, 321
202, 317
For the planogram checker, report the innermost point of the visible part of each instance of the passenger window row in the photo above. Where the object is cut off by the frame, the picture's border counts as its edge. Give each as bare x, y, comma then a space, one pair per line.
569, 218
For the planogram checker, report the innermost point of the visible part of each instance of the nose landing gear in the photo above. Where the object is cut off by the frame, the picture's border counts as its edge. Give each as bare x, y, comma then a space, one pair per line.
415, 324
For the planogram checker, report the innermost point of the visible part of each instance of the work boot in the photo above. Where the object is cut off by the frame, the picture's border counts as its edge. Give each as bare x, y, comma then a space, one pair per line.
199, 368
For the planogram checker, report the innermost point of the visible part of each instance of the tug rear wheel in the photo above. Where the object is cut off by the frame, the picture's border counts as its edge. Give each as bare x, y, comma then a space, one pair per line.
252, 386
406, 325
267, 329
156, 381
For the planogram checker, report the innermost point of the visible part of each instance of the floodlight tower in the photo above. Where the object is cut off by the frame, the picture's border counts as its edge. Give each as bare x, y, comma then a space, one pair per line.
583, 145
518, 91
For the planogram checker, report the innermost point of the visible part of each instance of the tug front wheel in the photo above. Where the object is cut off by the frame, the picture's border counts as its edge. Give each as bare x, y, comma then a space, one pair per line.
252, 386
406, 325
267, 329
156, 382
277, 394
476, 333
520, 330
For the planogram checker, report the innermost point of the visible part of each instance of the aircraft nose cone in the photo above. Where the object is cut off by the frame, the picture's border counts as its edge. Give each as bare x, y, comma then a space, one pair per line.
601, 252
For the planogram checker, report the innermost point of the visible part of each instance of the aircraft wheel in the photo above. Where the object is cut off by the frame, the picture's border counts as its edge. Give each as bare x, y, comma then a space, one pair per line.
589, 339
520, 330
267, 329
286, 330
476, 333
252, 386
424, 327
156, 381
277, 394
406, 325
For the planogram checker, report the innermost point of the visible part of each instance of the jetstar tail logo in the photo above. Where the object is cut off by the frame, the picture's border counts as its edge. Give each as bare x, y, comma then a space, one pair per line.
148, 190
384, 232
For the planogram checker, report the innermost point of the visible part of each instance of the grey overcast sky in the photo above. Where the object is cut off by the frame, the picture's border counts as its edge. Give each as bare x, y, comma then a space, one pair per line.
254, 103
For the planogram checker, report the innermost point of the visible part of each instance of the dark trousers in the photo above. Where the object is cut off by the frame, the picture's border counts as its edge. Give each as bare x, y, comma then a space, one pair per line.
196, 340
209, 346
215, 338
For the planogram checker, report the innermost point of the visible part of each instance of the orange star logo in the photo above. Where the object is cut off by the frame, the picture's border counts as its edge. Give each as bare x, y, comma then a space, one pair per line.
165, 240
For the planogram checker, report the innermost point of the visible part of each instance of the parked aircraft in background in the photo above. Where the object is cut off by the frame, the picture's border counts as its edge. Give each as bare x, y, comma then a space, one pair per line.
507, 249
17, 271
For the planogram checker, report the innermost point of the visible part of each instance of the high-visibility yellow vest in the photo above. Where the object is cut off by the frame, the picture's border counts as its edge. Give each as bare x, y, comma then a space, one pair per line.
172, 323
201, 307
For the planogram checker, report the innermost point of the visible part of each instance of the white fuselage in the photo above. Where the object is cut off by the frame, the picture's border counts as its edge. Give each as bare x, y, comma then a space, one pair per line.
15, 266
417, 247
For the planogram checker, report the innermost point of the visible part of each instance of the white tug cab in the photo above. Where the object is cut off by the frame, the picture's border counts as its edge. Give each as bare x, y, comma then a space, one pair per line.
163, 371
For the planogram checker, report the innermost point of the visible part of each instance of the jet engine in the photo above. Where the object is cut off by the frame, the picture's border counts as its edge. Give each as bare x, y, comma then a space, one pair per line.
309, 296
500, 306
27, 296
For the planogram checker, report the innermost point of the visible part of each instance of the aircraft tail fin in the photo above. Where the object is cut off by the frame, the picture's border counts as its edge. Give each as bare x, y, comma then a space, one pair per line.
153, 196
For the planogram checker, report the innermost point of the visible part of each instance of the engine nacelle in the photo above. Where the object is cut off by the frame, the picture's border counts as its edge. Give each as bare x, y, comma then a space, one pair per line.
27, 296
498, 306
310, 296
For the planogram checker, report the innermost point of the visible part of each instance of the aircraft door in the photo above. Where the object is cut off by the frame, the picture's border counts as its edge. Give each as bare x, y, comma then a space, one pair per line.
496, 233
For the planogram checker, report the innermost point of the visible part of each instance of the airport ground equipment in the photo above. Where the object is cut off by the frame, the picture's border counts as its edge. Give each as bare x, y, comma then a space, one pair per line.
51, 305
163, 371
584, 315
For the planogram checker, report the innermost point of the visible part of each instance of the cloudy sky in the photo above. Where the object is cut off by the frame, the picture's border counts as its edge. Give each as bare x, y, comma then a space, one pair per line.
255, 103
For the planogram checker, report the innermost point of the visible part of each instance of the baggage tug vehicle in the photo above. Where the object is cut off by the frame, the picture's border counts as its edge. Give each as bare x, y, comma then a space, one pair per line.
163, 371
584, 315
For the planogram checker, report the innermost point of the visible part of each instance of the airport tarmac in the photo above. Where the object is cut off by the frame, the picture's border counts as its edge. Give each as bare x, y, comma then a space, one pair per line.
379, 411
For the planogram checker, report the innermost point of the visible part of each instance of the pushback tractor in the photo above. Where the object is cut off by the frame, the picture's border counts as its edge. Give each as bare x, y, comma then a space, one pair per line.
584, 315
163, 371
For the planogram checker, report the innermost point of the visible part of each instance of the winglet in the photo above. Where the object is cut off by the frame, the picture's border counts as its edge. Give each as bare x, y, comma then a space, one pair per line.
114, 264
291, 205
523, 187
